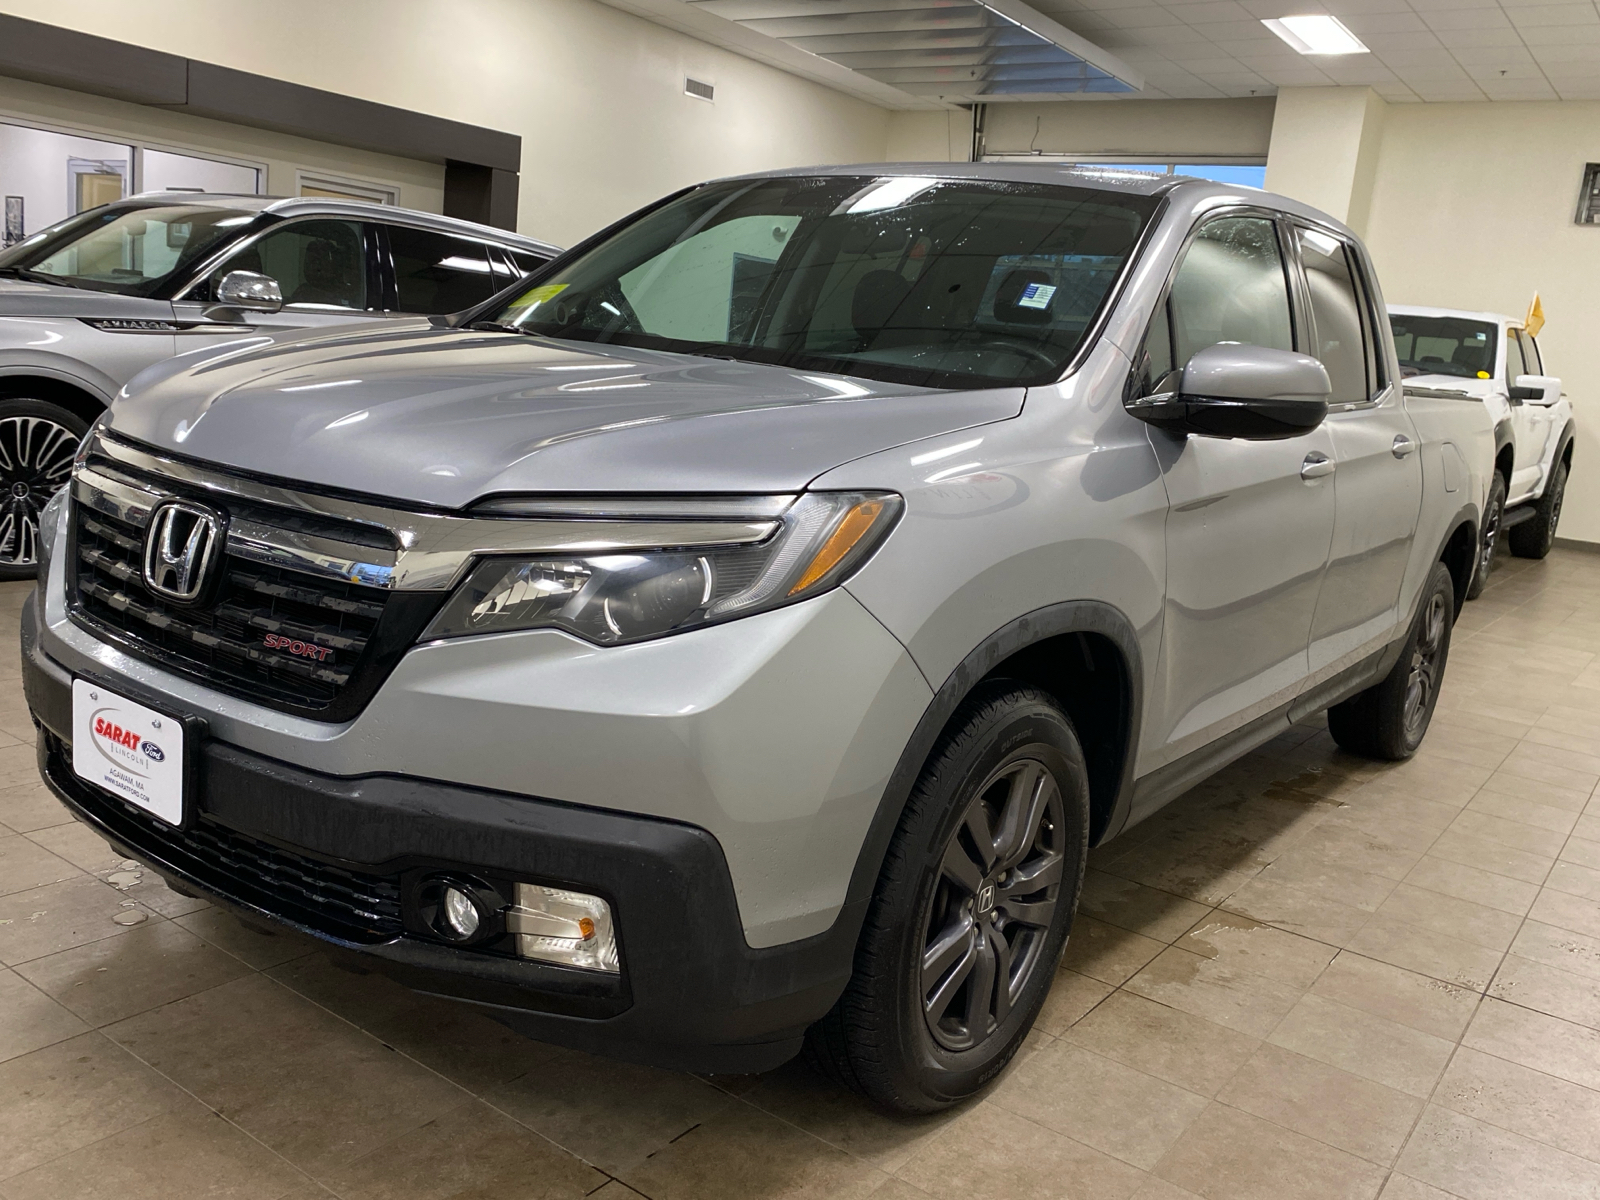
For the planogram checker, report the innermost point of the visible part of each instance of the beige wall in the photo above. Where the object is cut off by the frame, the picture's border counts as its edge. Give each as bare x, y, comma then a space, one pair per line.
1203, 129
596, 94
421, 184
1325, 147
915, 136
1472, 207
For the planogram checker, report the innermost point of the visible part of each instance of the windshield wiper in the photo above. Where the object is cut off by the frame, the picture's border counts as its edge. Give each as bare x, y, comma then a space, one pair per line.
35, 276
495, 327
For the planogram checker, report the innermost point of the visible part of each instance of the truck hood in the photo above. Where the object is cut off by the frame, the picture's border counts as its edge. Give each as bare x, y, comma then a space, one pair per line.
24, 298
445, 417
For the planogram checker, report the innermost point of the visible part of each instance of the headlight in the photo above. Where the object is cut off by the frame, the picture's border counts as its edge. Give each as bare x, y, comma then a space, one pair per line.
625, 597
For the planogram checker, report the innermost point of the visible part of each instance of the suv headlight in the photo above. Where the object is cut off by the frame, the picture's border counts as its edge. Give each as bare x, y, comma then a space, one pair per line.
626, 597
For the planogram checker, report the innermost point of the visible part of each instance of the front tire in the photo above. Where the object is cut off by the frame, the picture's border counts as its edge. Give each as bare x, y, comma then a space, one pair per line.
972, 910
1493, 514
1533, 538
37, 442
1389, 719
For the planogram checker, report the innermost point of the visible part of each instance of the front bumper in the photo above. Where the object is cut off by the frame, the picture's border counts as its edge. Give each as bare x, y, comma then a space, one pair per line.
330, 855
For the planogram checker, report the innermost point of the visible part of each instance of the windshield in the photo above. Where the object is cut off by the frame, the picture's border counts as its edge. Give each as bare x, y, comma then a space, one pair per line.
129, 250
1444, 346
943, 283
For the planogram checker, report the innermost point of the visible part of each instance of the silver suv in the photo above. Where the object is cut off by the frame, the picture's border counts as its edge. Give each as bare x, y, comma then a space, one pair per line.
737, 634
88, 303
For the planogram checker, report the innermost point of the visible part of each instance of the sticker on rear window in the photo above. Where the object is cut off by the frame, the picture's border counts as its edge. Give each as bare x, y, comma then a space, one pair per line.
1036, 295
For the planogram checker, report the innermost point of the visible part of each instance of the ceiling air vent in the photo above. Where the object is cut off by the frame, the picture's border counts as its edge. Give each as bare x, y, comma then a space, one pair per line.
699, 89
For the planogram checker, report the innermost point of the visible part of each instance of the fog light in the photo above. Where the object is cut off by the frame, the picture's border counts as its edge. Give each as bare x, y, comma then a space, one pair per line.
459, 910
460, 917
570, 928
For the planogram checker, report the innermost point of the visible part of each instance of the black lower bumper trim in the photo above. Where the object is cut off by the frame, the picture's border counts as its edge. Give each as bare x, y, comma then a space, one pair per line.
692, 994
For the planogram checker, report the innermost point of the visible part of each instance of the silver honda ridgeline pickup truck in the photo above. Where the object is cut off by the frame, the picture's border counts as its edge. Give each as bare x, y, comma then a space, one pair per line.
735, 635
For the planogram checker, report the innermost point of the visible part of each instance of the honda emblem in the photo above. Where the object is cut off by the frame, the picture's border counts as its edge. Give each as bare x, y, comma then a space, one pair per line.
179, 550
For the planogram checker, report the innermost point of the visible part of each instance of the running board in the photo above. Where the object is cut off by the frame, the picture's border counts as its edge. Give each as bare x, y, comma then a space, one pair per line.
1516, 516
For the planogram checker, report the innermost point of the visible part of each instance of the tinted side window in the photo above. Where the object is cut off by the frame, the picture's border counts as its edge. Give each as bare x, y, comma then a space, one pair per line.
1336, 313
1377, 367
1530, 354
1514, 363
524, 260
316, 263
1230, 288
438, 272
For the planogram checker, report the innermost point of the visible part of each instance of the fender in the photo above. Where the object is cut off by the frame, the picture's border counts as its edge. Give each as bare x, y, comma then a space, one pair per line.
1072, 616
1503, 436
1568, 432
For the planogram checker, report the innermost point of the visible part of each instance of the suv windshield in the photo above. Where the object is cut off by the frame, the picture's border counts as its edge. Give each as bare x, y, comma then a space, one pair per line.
1444, 346
937, 282
117, 249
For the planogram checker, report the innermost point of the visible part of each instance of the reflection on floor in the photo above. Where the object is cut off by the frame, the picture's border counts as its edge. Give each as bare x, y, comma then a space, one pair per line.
1311, 977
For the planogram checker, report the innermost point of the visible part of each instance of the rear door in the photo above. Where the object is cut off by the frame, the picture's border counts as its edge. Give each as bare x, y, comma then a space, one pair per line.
1250, 522
1377, 483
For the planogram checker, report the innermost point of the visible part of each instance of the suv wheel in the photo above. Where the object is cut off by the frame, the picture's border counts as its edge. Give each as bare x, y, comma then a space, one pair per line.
1493, 514
37, 442
972, 911
1533, 538
1389, 719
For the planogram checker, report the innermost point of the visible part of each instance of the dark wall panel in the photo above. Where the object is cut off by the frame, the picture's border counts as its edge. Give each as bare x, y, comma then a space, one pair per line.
481, 164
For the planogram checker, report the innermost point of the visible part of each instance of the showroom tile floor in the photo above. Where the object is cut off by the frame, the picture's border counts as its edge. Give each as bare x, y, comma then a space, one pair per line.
1311, 977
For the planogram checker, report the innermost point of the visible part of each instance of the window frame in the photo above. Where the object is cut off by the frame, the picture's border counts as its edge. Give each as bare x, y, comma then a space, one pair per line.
1513, 336
1528, 344
368, 251
1297, 330
1370, 336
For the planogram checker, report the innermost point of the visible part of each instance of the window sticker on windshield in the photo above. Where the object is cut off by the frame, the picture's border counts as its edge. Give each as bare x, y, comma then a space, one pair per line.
1483, 374
1036, 295
537, 296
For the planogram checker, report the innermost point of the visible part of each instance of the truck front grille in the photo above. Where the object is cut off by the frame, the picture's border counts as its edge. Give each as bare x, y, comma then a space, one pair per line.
230, 641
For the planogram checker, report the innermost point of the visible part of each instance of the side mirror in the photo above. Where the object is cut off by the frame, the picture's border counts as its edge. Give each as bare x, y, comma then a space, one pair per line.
1536, 389
250, 291
1237, 391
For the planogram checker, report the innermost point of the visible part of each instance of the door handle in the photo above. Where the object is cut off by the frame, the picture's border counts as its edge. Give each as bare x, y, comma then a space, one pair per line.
1316, 465
1402, 446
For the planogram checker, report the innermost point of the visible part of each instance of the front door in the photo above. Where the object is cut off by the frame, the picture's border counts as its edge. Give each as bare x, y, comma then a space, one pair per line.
1377, 483
1527, 421
1249, 522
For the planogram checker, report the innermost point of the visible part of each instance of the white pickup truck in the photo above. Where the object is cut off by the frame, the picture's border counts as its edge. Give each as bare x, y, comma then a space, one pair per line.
1493, 358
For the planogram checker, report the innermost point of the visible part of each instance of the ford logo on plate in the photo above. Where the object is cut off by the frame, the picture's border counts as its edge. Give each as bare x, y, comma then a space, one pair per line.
153, 752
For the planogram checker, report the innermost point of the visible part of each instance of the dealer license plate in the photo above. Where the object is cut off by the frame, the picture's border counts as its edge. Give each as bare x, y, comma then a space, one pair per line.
126, 748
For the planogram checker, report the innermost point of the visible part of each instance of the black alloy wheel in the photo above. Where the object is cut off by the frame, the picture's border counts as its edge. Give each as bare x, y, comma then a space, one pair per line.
1389, 720
37, 444
1000, 880
1427, 665
1493, 519
971, 910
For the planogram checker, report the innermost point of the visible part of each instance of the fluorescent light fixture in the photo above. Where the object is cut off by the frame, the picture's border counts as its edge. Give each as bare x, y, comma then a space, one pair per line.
890, 192
1319, 34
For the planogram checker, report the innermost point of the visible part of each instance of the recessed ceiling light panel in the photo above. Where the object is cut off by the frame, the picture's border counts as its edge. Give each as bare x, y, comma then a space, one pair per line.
1319, 34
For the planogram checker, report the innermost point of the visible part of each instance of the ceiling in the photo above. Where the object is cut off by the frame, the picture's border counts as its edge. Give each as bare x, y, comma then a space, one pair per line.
953, 50
934, 53
1421, 49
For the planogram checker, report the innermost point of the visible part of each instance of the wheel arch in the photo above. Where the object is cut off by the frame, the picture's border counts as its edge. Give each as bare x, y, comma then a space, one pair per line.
1459, 553
77, 397
1083, 653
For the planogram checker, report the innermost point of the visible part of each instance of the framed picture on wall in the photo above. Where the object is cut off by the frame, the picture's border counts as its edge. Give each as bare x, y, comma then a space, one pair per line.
14, 231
